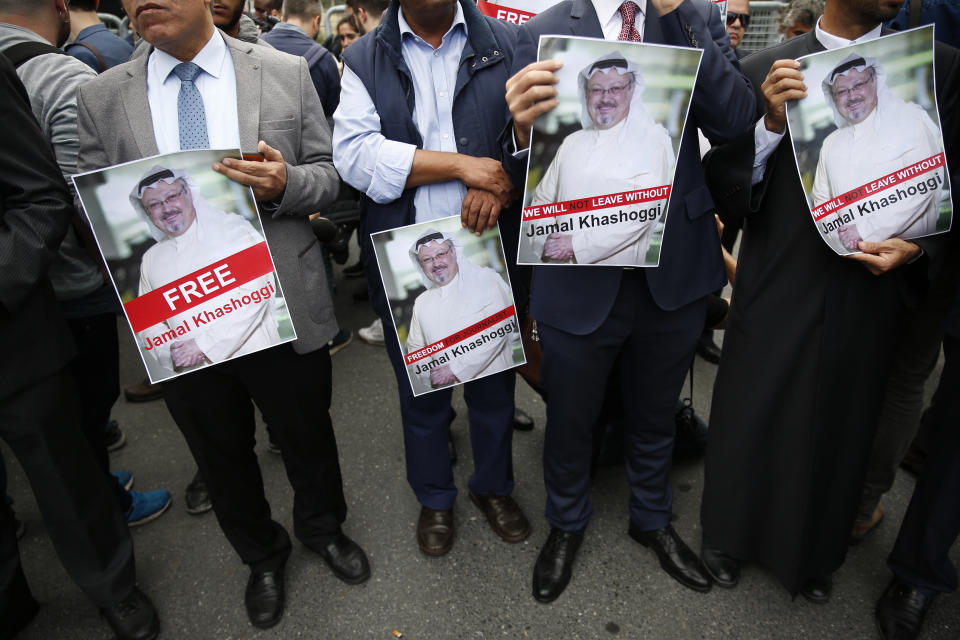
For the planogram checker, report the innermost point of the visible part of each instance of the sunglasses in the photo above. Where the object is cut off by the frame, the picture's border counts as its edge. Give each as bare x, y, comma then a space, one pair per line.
733, 17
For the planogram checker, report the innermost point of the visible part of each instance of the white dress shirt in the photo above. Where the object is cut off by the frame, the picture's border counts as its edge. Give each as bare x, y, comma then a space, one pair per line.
217, 84
766, 141
379, 167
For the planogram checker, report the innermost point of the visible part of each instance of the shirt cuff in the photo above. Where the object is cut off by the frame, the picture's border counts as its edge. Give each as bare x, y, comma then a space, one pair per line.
764, 144
394, 162
518, 154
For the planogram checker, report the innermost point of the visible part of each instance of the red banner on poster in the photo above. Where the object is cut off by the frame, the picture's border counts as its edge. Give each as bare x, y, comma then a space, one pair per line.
503, 12
536, 212
460, 336
198, 287
854, 195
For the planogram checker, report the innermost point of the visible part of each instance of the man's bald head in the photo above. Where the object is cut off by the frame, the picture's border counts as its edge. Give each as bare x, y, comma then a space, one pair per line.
50, 19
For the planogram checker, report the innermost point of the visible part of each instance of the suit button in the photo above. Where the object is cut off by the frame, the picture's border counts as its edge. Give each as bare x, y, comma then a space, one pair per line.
463, 142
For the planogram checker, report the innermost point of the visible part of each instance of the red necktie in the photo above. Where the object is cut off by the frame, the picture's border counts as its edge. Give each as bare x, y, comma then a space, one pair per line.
628, 11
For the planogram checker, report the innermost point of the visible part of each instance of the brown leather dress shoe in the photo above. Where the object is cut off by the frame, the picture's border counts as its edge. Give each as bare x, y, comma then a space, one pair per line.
143, 392
504, 515
435, 531
861, 529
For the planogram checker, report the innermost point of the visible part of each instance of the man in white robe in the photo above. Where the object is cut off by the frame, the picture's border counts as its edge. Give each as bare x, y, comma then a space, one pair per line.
878, 134
192, 235
620, 148
459, 294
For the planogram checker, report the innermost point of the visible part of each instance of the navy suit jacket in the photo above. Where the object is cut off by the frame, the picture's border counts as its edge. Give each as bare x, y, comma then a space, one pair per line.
578, 299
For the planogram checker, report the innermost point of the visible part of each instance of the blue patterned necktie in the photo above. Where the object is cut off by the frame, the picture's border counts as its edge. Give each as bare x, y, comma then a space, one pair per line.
193, 121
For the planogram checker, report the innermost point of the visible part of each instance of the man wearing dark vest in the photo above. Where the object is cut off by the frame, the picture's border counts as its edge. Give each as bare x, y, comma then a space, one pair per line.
646, 322
417, 133
297, 35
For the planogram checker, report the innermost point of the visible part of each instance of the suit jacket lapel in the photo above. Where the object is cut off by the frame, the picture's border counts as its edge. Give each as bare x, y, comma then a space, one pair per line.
248, 69
136, 106
584, 20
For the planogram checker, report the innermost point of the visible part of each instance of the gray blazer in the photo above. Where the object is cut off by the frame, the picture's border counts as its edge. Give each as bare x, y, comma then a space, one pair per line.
277, 103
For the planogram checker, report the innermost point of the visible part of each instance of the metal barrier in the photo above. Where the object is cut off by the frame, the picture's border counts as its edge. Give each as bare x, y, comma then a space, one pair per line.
115, 24
332, 16
763, 32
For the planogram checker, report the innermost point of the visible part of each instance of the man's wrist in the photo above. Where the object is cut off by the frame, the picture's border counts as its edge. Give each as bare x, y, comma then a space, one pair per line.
772, 126
521, 139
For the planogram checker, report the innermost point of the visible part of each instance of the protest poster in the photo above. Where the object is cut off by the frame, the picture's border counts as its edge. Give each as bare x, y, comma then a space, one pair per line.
601, 164
868, 144
186, 253
451, 302
515, 11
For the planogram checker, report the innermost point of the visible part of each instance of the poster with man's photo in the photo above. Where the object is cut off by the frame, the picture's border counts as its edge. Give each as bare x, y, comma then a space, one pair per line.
187, 255
451, 301
868, 144
601, 164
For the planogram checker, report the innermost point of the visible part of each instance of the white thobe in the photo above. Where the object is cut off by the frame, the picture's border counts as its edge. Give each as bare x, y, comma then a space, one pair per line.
442, 311
858, 154
214, 235
593, 162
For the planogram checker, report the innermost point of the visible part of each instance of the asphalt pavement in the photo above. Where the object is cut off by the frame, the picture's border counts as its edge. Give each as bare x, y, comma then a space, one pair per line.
481, 589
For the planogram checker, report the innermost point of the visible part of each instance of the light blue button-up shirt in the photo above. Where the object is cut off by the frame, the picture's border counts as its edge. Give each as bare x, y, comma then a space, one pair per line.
379, 167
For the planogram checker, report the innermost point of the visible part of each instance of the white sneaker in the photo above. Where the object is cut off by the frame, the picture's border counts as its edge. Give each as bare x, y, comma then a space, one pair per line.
372, 334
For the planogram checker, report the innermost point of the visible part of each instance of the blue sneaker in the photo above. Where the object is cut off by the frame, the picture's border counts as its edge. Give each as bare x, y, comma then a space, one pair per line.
147, 506
124, 477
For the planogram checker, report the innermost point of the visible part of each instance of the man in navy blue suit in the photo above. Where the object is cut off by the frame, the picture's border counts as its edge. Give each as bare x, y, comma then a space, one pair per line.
644, 321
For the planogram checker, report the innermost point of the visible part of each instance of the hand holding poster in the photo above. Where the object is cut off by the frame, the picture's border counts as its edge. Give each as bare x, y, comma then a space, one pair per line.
187, 256
453, 309
868, 144
601, 163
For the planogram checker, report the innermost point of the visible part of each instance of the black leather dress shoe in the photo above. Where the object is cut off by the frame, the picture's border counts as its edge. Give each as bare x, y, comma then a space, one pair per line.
197, 497
676, 558
817, 590
522, 421
723, 568
900, 611
554, 566
133, 618
435, 531
707, 348
346, 559
264, 598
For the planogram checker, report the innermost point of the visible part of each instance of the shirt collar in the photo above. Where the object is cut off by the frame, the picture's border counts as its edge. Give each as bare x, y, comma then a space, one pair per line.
830, 41
458, 19
606, 9
86, 31
286, 26
210, 58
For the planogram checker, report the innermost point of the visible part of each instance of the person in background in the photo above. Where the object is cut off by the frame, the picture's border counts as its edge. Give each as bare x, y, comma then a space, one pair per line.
798, 16
91, 42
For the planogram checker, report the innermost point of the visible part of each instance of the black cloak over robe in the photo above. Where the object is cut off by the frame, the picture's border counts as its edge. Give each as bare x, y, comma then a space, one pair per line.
808, 345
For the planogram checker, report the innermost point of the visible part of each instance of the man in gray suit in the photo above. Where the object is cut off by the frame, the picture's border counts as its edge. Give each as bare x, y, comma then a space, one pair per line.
198, 88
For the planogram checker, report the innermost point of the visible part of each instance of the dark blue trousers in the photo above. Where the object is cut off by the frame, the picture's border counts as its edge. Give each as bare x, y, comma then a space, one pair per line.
921, 555
653, 349
426, 430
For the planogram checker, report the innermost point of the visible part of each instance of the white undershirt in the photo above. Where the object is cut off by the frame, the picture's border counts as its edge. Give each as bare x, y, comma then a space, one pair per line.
217, 84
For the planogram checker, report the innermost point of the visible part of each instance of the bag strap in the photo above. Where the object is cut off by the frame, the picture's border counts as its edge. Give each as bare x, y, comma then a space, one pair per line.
103, 63
314, 54
23, 51
916, 8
